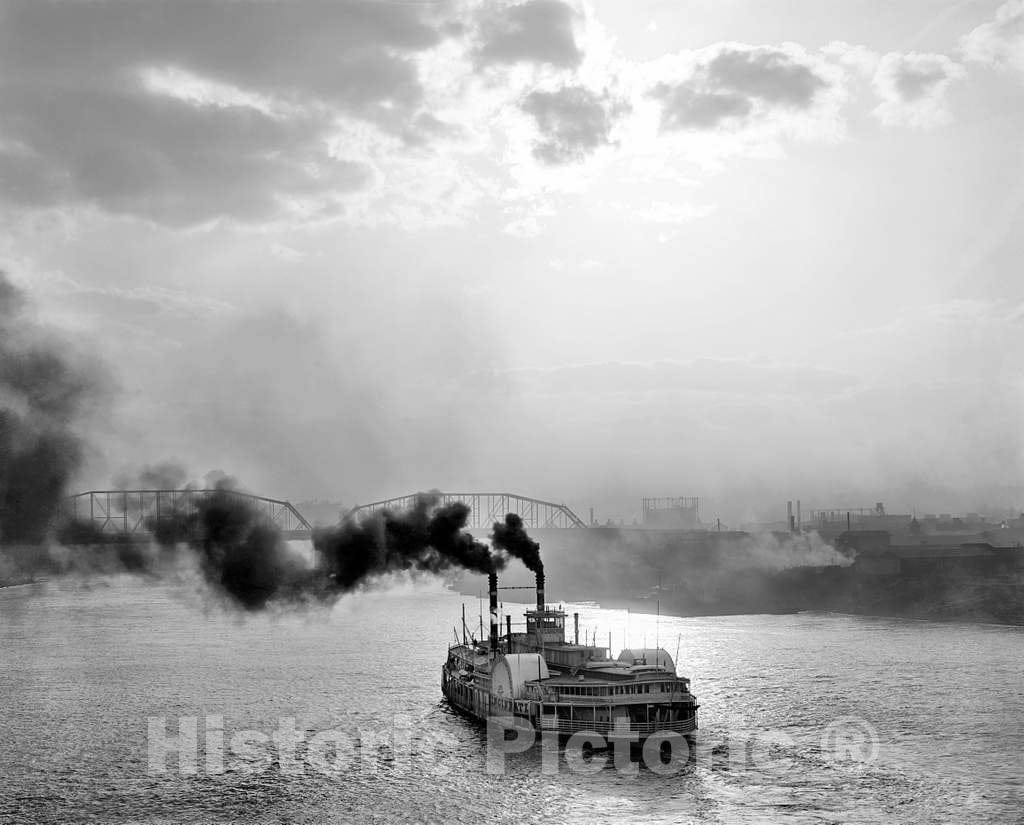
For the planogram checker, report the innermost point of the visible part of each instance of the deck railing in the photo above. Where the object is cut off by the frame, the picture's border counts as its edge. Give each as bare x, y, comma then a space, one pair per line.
604, 728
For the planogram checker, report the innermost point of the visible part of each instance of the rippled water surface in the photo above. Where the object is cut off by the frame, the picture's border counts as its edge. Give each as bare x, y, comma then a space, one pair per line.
789, 706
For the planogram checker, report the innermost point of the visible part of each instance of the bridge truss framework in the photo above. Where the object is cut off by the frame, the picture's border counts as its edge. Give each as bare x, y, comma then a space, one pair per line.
130, 511
487, 508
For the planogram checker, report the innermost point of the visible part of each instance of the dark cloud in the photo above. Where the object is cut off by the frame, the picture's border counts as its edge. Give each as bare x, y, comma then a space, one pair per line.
351, 53
769, 74
685, 108
165, 159
77, 121
573, 122
733, 84
538, 31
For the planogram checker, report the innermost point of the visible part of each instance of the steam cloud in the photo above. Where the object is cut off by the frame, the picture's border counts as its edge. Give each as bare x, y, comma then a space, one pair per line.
42, 394
511, 537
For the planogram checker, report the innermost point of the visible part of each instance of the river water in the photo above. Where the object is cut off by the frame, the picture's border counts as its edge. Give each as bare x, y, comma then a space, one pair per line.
807, 718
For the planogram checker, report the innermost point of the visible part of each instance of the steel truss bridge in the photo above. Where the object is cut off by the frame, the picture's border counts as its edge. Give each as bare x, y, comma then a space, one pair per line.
487, 508
128, 512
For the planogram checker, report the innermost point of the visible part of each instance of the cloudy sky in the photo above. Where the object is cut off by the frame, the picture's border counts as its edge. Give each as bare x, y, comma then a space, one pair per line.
748, 251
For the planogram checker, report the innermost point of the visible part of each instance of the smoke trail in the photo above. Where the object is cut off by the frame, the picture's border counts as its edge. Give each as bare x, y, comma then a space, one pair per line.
425, 537
781, 551
239, 551
42, 393
243, 555
513, 539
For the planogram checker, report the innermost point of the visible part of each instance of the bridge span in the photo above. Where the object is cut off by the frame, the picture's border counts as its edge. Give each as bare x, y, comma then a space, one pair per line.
119, 513
487, 508
133, 514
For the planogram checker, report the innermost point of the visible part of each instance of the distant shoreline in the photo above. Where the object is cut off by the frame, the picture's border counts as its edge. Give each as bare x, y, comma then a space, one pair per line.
945, 618
20, 582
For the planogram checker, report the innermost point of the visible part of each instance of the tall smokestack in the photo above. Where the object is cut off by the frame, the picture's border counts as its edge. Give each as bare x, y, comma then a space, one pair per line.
540, 589
492, 587
789, 515
576, 627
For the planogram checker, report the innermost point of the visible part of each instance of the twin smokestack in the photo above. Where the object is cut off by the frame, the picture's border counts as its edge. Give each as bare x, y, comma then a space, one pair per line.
492, 596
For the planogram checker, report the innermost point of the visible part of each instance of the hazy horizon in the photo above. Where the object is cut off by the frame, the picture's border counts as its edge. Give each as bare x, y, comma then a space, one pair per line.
580, 252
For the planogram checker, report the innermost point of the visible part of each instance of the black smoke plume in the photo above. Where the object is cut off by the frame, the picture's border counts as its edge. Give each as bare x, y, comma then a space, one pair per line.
426, 537
243, 555
43, 393
511, 537
240, 551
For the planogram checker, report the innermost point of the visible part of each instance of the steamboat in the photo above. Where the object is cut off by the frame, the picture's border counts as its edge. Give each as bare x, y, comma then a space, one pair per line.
539, 679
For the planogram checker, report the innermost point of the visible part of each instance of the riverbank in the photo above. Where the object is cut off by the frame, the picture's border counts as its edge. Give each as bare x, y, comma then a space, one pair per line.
833, 589
18, 581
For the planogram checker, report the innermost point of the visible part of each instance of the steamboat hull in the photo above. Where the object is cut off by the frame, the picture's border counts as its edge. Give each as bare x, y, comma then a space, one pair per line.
664, 719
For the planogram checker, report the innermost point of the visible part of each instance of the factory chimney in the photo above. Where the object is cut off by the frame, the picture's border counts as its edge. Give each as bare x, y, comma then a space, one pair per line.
540, 589
789, 515
492, 586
